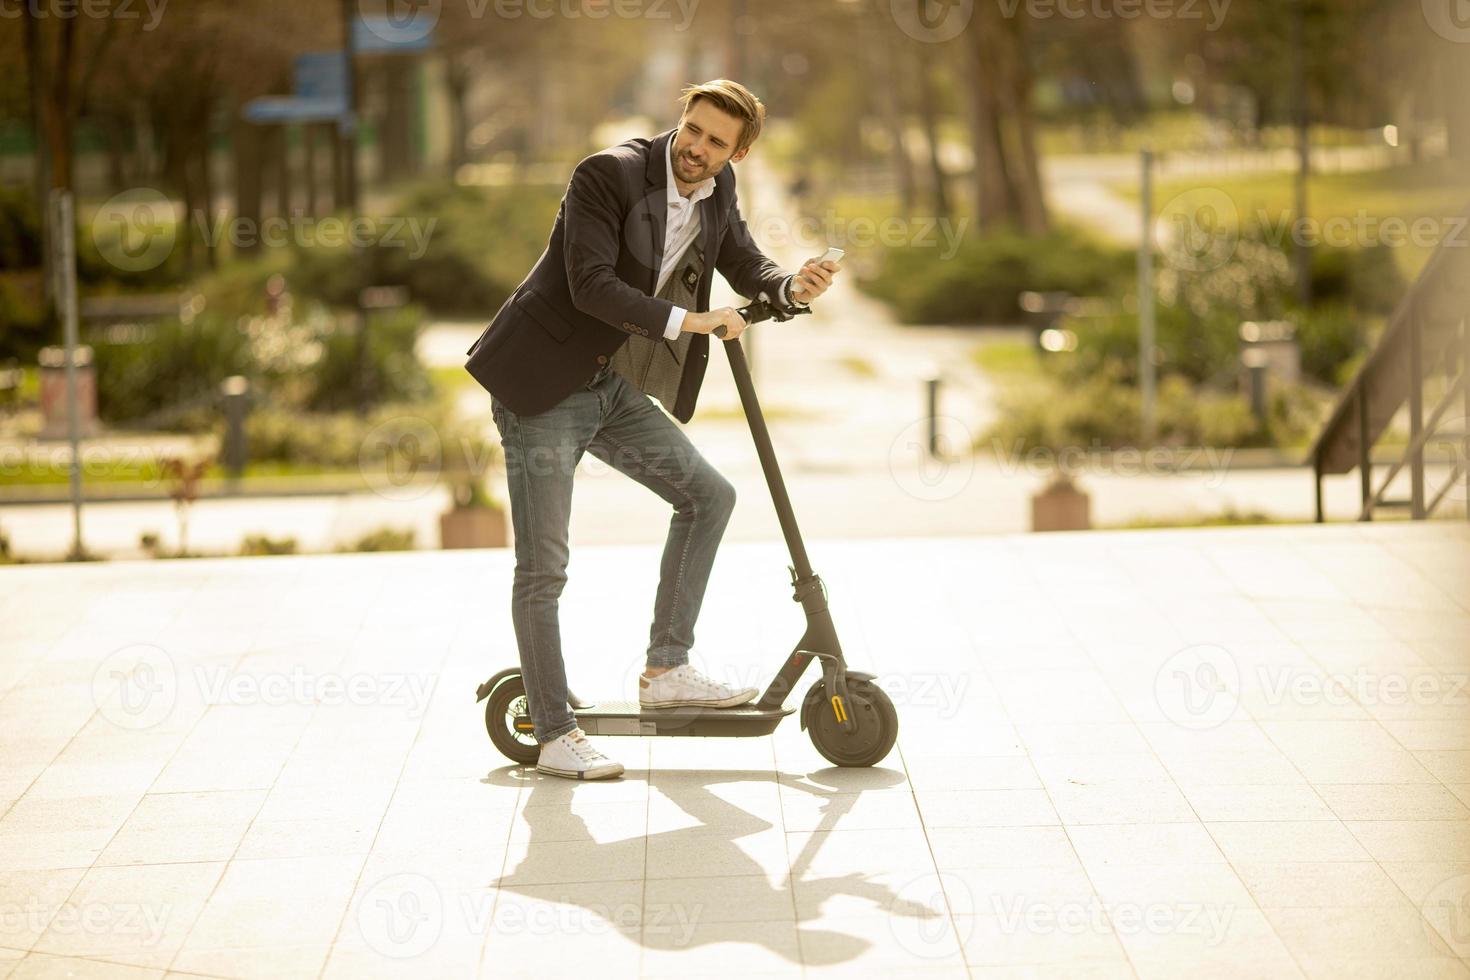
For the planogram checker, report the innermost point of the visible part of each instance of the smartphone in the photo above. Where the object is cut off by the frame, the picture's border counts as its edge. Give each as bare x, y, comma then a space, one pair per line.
832, 255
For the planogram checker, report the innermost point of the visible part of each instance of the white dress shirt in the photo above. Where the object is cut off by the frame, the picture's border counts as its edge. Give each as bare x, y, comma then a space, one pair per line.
682, 227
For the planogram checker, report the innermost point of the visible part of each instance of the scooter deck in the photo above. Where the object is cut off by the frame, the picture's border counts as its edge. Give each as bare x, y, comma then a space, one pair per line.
630, 718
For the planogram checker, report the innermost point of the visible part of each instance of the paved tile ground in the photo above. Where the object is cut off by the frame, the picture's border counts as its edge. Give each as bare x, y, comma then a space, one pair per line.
1240, 752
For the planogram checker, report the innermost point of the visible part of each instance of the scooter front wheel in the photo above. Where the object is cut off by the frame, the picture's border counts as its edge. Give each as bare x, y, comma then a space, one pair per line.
875, 727
505, 704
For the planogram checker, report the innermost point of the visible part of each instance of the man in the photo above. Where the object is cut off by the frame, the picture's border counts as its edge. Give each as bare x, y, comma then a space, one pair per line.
616, 310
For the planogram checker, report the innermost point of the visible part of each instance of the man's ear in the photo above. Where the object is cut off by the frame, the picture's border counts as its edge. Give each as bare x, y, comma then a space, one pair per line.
737, 157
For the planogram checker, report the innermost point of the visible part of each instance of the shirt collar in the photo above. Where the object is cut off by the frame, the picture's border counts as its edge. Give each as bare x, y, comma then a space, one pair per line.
702, 190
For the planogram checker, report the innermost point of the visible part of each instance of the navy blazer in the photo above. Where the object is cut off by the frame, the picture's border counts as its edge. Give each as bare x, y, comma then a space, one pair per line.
595, 282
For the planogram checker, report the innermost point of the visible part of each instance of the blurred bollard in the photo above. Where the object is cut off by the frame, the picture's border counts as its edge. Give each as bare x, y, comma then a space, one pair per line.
931, 392
235, 394
1255, 362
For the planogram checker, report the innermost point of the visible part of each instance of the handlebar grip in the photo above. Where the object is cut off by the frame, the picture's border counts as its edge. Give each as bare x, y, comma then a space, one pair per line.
720, 332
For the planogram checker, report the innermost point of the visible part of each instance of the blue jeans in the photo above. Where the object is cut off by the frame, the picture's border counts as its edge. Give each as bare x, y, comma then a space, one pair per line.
619, 425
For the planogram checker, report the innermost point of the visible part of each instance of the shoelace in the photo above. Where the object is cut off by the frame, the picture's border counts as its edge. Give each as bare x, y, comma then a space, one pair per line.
695, 677
586, 751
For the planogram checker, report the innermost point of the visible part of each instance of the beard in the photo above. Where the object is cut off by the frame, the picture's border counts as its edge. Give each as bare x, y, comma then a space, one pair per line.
690, 172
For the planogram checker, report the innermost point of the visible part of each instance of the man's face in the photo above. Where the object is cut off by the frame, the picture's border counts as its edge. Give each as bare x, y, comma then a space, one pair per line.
705, 142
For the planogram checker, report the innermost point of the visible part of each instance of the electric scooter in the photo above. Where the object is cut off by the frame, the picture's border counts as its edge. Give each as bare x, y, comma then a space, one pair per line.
852, 722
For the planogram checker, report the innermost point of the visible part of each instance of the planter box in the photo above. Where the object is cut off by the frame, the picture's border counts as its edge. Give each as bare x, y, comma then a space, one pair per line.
1060, 507
472, 527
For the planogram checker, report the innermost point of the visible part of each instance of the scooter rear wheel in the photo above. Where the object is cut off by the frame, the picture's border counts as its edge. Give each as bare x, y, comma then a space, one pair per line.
505, 704
876, 724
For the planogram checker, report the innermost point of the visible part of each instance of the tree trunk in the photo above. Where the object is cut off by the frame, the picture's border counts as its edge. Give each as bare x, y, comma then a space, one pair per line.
457, 79
57, 110
992, 199
1457, 107
1008, 174
939, 193
880, 44
41, 151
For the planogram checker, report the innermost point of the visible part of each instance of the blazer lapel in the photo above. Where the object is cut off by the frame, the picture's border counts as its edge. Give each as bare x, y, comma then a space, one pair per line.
656, 200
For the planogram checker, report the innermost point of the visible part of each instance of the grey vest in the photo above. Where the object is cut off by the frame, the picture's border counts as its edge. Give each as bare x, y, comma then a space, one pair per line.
654, 365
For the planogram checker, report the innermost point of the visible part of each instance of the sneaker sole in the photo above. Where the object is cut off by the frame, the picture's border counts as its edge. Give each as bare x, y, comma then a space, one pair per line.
729, 702
605, 772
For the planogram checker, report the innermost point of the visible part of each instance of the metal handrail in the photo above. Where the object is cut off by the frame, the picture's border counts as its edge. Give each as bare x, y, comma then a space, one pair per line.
1428, 334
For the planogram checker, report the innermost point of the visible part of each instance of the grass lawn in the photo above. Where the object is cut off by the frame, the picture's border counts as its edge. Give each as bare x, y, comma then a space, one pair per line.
1008, 360
145, 471
1437, 190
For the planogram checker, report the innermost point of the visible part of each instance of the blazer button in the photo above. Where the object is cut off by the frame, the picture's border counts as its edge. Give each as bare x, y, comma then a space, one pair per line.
601, 358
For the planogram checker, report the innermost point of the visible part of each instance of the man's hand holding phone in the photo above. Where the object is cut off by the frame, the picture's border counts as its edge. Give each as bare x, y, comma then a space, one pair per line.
726, 316
816, 275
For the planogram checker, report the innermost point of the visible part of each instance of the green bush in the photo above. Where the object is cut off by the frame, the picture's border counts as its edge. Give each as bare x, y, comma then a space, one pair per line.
20, 229
344, 440
1366, 279
151, 373
394, 371
328, 441
1103, 412
384, 539
264, 544
25, 320
479, 243
1331, 336
982, 281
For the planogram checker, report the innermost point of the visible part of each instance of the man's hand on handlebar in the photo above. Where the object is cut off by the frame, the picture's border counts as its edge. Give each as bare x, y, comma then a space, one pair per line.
725, 323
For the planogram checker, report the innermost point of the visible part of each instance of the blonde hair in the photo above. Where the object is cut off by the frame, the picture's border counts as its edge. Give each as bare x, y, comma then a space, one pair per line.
733, 99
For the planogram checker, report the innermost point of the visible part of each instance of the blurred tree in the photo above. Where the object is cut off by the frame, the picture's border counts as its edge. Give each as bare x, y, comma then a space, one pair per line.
1008, 190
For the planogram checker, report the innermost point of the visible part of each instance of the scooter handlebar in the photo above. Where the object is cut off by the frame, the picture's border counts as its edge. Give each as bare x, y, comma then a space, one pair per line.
763, 309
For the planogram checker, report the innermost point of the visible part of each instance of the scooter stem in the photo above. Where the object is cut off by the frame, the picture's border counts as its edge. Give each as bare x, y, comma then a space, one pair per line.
762, 436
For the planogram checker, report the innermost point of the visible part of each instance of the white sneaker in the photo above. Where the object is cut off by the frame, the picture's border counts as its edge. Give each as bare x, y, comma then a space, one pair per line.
574, 757
686, 686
